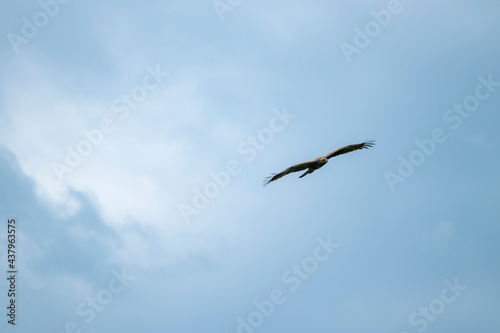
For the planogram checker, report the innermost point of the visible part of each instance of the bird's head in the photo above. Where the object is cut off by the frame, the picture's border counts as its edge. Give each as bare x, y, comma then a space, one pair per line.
322, 160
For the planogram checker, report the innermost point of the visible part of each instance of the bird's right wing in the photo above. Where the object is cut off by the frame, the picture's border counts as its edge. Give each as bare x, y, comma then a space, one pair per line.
293, 168
350, 148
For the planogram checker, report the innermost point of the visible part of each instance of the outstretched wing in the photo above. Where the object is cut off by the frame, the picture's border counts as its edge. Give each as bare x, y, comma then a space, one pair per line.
348, 149
293, 168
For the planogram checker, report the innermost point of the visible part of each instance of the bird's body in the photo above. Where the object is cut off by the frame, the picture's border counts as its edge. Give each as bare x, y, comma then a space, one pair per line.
311, 166
315, 165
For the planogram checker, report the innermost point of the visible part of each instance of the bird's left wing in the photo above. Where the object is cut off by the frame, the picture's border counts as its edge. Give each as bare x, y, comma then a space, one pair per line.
293, 168
348, 149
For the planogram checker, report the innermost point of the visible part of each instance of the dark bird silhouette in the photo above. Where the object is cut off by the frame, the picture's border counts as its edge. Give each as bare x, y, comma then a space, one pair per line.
311, 166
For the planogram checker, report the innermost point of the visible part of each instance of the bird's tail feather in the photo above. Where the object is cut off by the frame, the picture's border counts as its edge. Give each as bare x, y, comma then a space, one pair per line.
305, 173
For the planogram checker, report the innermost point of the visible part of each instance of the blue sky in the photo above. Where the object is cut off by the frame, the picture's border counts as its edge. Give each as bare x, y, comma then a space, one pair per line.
134, 138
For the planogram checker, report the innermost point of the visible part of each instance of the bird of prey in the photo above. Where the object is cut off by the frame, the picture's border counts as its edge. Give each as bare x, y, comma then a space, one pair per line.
311, 166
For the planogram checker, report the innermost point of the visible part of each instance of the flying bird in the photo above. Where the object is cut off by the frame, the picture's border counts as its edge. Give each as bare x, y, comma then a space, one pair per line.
311, 166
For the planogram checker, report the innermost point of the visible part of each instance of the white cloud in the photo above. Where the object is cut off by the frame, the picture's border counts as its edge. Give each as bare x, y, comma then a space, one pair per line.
132, 176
